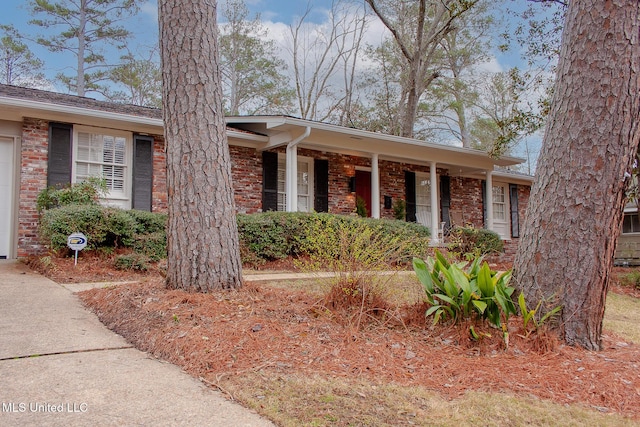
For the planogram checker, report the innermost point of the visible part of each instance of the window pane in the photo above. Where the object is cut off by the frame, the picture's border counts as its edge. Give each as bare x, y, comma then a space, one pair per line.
102, 156
499, 205
423, 192
304, 187
631, 223
303, 203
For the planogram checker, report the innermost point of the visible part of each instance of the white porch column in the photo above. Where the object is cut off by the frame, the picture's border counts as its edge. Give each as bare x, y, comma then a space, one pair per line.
291, 175
489, 201
291, 179
435, 207
375, 187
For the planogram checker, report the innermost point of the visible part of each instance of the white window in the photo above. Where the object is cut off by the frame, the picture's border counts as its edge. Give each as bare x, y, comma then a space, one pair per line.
423, 199
106, 154
305, 184
499, 204
501, 213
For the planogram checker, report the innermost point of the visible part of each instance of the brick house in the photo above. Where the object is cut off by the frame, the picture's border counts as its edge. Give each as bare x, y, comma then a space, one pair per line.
278, 163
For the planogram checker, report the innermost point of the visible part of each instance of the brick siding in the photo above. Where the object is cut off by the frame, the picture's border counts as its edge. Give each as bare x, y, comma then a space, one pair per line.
465, 206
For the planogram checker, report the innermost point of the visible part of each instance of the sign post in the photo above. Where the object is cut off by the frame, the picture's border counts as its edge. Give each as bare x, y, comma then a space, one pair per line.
76, 242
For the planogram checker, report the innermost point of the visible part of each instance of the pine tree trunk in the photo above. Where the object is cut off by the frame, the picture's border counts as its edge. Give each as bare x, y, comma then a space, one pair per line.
202, 236
575, 211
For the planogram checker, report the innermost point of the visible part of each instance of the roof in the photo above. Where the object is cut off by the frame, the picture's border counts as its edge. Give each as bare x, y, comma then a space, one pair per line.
261, 132
333, 138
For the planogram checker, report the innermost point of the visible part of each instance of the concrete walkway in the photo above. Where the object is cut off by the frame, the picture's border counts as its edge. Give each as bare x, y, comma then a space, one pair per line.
59, 366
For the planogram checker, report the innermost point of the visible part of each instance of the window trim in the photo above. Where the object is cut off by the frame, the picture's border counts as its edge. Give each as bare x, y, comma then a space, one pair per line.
506, 222
424, 176
120, 200
310, 171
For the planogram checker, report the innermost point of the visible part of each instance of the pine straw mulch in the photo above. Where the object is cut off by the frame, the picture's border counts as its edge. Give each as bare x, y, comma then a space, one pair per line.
268, 329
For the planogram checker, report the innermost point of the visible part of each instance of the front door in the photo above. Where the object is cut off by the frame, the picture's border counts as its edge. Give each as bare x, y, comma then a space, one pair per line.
6, 196
363, 188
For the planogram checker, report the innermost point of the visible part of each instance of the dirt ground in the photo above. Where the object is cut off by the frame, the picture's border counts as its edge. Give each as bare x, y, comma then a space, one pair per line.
267, 329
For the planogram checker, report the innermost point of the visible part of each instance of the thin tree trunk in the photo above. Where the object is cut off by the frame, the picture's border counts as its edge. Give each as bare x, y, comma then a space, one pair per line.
576, 205
203, 250
80, 84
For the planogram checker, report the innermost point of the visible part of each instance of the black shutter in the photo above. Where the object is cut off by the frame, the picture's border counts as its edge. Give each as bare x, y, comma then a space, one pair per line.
513, 202
142, 173
484, 204
59, 167
410, 195
269, 181
321, 178
445, 201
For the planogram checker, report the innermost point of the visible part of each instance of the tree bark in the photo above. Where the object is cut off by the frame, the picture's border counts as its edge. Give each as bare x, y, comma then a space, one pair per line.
577, 200
202, 236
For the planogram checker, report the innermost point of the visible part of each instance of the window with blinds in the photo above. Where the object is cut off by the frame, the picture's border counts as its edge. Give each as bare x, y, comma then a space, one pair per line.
103, 156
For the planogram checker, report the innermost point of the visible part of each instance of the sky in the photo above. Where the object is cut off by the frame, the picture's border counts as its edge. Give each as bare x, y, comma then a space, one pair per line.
275, 15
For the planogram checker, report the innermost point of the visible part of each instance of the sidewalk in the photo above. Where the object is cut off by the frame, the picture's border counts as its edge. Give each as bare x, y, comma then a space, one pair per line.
61, 367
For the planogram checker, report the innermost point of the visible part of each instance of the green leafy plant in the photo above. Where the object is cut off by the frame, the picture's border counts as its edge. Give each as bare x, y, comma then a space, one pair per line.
631, 279
106, 228
87, 192
459, 291
361, 207
529, 316
470, 242
134, 261
399, 209
357, 251
276, 235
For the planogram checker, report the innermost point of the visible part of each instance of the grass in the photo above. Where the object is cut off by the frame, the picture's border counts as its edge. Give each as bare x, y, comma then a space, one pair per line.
294, 400
622, 316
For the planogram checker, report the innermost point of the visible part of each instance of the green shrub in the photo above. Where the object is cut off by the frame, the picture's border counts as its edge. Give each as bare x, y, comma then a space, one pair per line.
357, 250
57, 224
104, 227
135, 262
277, 235
470, 242
84, 193
399, 209
271, 235
631, 279
361, 207
153, 245
120, 226
346, 244
148, 222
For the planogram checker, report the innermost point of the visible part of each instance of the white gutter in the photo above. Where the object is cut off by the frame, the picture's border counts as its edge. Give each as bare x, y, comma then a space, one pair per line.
291, 182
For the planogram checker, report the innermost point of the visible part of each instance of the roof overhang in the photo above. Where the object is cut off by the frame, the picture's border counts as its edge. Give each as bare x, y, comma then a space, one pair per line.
266, 132
17, 109
338, 139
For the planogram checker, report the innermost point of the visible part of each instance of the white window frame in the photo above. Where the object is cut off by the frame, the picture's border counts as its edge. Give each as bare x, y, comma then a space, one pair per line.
282, 196
121, 199
423, 216
502, 226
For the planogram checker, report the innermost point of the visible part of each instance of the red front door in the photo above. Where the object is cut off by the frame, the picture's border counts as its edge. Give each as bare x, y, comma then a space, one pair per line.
363, 188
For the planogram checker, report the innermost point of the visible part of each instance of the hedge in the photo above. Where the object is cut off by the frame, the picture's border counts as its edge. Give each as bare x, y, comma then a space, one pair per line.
263, 237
